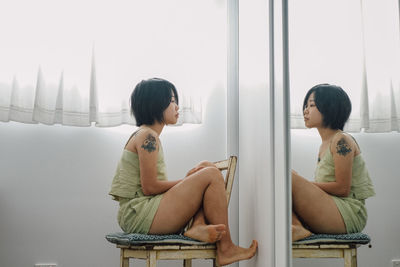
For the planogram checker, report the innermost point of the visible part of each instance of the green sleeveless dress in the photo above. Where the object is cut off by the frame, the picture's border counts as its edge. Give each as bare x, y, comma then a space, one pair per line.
136, 211
352, 208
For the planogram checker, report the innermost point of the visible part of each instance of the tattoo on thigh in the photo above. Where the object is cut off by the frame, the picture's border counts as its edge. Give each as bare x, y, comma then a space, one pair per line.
149, 143
342, 147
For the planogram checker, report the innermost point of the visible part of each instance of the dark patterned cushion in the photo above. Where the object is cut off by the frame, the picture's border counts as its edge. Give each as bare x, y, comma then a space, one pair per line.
356, 238
140, 239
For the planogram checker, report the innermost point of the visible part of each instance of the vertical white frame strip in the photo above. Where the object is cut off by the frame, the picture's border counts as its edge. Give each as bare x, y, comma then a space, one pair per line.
233, 107
280, 112
263, 141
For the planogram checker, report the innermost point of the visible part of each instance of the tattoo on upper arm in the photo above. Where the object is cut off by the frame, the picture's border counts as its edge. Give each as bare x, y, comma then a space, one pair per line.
342, 147
149, 143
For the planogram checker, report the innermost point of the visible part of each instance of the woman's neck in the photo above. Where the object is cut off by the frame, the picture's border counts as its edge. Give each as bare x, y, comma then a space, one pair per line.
157, 127
327, 133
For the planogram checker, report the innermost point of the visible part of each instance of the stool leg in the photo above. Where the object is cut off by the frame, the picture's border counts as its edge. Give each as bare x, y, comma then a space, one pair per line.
152, 259
124, 262
187, 263
350, 257
354, 257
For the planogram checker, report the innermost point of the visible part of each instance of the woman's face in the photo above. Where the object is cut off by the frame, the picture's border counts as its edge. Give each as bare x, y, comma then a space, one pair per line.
312, 116
171, 114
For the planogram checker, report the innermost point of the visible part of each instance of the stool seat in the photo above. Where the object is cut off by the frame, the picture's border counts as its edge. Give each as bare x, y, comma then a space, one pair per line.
125, 239
331, 246
355, 238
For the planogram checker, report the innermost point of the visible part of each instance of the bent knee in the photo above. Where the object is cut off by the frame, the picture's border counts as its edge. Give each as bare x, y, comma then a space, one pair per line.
297, 180
295, 177
212, 172
205, 163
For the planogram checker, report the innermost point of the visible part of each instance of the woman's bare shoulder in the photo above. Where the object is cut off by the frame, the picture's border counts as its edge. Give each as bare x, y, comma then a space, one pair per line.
343, 144
142, 137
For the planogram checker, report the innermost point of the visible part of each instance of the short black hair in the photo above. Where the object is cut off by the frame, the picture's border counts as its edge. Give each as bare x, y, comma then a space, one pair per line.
150, 98
333, 103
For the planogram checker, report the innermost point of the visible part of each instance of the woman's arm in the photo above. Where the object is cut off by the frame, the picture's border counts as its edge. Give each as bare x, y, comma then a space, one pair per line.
147, 146
200, 166
343, 148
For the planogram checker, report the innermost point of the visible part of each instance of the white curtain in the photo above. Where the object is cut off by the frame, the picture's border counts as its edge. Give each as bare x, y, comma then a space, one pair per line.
354, 44
76, 62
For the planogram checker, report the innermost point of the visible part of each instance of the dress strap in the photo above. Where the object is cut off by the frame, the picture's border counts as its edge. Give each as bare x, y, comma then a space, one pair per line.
132, 135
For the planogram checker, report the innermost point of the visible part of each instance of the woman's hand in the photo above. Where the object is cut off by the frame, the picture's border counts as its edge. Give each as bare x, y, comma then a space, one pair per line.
200, 166
195, 169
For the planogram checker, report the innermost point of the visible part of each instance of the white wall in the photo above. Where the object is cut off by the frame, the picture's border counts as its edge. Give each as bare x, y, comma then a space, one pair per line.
381, 154
256, 198
54, 183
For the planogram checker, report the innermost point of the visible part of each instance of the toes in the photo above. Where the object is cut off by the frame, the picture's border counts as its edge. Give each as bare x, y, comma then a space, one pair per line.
220, 227
218, 237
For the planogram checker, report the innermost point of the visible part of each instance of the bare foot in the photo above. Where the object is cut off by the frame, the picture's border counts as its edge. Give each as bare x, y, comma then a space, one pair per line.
236, 253
299, 232
206, 233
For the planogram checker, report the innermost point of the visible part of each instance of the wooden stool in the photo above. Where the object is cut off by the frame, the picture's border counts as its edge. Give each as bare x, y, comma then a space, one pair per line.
346, 251
168, 252
331, 246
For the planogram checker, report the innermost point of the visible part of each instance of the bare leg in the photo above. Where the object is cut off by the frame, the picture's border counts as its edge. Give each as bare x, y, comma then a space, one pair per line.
315, 207
202, 231
298, 230
203, 188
